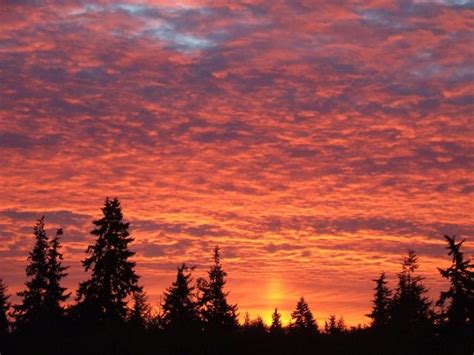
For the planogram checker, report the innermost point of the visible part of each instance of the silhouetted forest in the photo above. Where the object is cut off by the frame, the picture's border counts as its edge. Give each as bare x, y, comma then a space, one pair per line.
110, 313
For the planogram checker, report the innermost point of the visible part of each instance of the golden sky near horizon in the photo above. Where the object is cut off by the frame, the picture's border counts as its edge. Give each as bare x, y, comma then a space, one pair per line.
314, 142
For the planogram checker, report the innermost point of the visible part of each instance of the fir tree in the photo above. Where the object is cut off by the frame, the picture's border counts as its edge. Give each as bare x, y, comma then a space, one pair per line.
410, 310
330, 325
381, 303
140, 314
179, 306
216, 312
32, 311
258, 327
276, 327
247, 321
341, 326
460, 294
302, 319
4, 307
55, 293
113, 276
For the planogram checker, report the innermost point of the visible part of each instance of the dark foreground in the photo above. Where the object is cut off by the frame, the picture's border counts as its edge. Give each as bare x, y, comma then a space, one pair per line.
131, 341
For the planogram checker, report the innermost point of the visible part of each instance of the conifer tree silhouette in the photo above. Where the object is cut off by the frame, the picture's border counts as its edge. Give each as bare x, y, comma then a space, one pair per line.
4, 308
381, 303
341, 325
335, 327
113, 277
247, 321
330, 325
302, 319
276, 327
460, 294
180, 310
31, 312
140, 314
55, 293
410, 310
216, 313
258, 327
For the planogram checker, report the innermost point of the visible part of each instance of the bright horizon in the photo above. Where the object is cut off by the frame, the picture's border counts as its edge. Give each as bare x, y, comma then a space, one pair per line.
314, 142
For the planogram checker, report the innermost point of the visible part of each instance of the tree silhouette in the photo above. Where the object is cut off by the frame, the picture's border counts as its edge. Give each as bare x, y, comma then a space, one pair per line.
341, 325
335, 327
4, 307
140, 313
247, 321
330, 325
180, 310
31, 311
381, 303
276, 327
257, 327
55, 293
460, 294
302, 319
410, 311
113, 277
216, 312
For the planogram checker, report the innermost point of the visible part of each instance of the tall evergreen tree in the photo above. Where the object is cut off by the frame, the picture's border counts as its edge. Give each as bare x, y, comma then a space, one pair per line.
216, 312
302, 318
4, 308
381, 303
247, 321
113, 276
140, 314
258, 327
276, 327
55, 293
341, 325
460, 294
180, 312
330, 325
410, 311
32, 311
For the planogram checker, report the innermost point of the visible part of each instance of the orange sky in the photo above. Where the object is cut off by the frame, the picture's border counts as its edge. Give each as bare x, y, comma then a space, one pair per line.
314, 142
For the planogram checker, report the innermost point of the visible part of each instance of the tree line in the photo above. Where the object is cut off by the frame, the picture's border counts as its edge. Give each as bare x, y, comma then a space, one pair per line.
111, 314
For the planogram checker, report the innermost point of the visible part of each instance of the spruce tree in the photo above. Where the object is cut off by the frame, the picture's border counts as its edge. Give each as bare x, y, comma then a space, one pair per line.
4, 308
247, 321
179, 307
276, 327
330, 325
140, 314
31, 312
302, 318
216, 313
341, 326
460, 295
113, 276
410, 310
55, 293
258, 327
381, 304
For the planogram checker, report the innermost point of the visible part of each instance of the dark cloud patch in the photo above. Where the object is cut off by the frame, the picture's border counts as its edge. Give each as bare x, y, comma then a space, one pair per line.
28, 141
154, 249
58, 217
179, 228
383, 225
468, 189
273, 248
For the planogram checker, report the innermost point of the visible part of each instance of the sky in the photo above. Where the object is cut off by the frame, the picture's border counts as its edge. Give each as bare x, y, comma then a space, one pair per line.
314, 141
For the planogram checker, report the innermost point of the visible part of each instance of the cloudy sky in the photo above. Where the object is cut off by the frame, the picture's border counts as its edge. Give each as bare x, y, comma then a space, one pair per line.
314, 141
